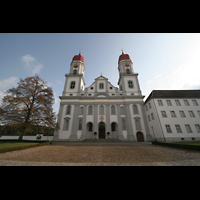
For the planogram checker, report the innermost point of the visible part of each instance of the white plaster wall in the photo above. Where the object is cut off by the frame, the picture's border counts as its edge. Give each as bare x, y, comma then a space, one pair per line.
141, 120
66, 134
156, 132
69, 80
101, 81
135, 85
172, 121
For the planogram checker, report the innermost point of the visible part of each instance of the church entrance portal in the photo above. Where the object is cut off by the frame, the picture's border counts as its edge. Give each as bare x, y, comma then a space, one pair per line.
102, 130
140, 137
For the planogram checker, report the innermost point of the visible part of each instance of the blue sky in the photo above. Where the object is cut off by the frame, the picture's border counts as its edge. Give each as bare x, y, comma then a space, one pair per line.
163, 60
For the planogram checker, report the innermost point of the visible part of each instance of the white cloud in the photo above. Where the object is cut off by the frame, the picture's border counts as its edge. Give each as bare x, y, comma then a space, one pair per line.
186, 76
7, 83
158, 76
149, 82
32, 64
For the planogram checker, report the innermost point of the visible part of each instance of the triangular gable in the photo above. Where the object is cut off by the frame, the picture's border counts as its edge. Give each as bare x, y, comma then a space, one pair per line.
101, 78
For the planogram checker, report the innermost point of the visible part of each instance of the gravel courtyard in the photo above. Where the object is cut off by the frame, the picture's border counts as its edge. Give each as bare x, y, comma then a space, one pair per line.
100, 154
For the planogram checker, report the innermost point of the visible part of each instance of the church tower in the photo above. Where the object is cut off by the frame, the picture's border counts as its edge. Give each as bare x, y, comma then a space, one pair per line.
128, 80
75, 82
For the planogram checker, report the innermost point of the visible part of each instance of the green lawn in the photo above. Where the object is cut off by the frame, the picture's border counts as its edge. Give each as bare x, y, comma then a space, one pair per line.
6, 146
188, 143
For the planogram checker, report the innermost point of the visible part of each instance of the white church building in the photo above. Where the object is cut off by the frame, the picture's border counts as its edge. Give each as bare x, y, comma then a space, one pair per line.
102, 111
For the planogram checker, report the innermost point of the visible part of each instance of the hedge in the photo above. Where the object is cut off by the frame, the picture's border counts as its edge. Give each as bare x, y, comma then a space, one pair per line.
180, 146
24, 147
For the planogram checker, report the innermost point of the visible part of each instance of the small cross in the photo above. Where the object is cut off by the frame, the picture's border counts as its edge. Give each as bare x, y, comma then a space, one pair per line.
80, 51
101, 73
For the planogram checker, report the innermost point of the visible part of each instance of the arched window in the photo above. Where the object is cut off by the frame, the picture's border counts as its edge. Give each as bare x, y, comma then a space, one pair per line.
130, 84
68, 110
128, 71
135, 109
113, 112
113, 126
72, 86
101, 110
66, 124
90, 127
90, 110
123, 124
80, 124
122, 110
137, 123
75, 72
81, 111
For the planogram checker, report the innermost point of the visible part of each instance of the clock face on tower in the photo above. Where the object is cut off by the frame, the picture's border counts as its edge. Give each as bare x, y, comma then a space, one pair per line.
127, 65
75, 66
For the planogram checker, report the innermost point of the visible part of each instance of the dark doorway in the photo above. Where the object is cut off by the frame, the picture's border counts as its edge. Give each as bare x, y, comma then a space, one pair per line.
140, 137
102, 131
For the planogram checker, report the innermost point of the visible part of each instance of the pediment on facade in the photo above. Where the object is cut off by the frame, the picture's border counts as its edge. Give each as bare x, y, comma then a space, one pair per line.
101, 95
101, 78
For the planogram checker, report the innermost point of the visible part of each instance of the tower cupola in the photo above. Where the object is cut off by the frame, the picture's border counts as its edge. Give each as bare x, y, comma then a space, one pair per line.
124, 57
79, 57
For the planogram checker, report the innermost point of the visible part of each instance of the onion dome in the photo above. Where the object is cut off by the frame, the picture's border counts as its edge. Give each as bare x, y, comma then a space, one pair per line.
124, 57
79, 57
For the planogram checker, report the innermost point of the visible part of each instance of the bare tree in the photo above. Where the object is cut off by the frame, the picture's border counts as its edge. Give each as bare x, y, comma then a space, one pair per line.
30, 103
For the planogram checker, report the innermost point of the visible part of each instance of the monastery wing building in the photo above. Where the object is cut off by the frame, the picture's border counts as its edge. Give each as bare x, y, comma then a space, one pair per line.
102, 111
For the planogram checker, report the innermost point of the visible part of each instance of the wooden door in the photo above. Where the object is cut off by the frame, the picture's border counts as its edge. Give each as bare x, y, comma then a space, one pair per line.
102, 133
140, 137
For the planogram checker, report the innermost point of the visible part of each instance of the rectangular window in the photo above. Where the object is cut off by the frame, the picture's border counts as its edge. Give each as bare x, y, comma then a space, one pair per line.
197, 127
182, 113
149, 105
146, 108
178, 103
186, 102
101, 86
178, 128
168, 128
149, 118
188, 128
169, 103
152, 116
191, 113
173, 114
195, 103
160, 103
163, 114
198, 112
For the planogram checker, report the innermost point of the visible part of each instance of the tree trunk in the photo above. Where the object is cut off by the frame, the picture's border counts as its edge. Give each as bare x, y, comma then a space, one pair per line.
21, 134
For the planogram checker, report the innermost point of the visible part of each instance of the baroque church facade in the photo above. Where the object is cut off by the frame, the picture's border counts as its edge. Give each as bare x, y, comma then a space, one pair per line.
102, 111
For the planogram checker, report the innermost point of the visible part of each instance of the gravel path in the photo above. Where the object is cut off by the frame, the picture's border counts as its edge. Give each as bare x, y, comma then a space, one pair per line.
100, 154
